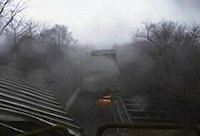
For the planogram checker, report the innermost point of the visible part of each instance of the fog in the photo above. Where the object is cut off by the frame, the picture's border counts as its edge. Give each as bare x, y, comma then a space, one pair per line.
107, 60
104, 23
98, 69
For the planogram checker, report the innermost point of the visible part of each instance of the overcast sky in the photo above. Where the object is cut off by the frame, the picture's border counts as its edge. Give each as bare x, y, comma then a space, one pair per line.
106, 22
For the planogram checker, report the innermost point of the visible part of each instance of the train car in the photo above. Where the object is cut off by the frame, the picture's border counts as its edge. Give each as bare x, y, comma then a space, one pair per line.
102, 70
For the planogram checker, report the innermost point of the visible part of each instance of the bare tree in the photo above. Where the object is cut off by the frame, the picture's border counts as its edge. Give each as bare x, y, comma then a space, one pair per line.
16, 29
169, 39
58, 34
166, 60
19, 29
32, 29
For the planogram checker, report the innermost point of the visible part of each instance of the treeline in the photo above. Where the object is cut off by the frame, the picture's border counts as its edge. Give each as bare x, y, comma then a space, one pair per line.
29, 45
163, 56
42, 53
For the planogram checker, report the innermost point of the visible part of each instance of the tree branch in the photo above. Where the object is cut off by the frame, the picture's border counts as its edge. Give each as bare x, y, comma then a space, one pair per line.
3, 7
17, 9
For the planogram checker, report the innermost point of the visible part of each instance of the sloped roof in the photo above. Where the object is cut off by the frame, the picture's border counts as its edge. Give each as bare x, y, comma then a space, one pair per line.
20, 100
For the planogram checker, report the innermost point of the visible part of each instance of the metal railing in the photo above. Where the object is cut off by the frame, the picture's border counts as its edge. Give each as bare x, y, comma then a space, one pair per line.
149, 126
61, 129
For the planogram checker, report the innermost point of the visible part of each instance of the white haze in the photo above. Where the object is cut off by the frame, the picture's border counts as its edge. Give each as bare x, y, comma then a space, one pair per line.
106, 22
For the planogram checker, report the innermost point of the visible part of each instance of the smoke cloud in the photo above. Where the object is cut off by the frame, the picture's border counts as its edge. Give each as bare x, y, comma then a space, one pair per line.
104, 23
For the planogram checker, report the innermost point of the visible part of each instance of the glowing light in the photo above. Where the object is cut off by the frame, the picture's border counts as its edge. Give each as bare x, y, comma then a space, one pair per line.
105, 100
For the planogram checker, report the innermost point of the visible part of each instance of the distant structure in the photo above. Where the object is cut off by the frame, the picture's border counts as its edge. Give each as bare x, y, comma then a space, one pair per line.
111, 54
101, 70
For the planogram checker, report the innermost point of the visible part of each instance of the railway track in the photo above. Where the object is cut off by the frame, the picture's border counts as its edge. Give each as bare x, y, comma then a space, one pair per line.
141, 108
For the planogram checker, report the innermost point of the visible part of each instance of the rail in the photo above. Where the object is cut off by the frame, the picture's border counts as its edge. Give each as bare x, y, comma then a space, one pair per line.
166, 126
